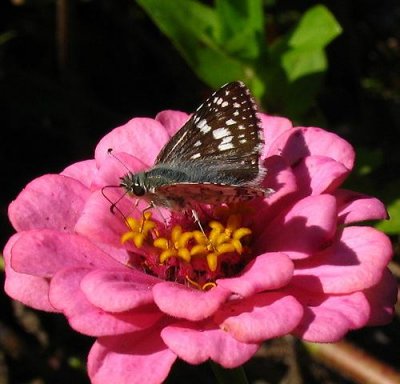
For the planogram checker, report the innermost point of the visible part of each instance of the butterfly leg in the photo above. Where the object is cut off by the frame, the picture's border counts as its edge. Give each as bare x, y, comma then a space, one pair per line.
197, 220
152, 205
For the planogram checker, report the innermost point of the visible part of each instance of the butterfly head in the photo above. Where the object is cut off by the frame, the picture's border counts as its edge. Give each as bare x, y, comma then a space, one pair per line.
134, 184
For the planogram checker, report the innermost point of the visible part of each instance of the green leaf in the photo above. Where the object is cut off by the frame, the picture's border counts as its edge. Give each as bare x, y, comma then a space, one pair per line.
241, 24
391, 226
215, 68
300, 62
317, 28
195, 28
184, 22
236, 15
305, 53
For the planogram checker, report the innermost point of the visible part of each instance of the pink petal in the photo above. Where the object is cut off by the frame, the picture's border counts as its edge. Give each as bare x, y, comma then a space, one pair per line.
319, 174
274, 126
172, 120
198, 342
354, 262
328, 318
136, 358
44, 252
98, 223
261, 317
83, 171
66, 295
101, 225
381, 298
281, 179
266, 272
118, 291
301, 142
354, 207
304, 229
139, 137
111, 170
50, 201
177, 300
30, 290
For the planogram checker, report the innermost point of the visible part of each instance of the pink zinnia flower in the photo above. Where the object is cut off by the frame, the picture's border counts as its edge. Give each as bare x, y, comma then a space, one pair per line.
294, 263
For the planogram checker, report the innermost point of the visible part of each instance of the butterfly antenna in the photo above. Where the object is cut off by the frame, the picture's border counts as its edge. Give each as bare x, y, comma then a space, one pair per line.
110, 152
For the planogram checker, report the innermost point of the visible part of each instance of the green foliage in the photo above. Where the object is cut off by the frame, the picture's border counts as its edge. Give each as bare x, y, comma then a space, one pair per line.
316, 29
228, 42
369, 164
392, 226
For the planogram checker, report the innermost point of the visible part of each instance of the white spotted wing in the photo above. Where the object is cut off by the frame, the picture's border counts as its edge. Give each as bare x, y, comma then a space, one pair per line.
223, 136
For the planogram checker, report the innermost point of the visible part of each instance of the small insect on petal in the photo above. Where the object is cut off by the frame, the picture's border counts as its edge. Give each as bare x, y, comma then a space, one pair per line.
224, 135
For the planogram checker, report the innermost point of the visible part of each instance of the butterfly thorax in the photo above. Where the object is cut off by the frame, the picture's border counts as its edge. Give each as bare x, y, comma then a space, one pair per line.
146, 185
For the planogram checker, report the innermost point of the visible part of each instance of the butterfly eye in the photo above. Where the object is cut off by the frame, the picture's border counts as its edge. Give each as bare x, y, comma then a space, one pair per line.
138, 190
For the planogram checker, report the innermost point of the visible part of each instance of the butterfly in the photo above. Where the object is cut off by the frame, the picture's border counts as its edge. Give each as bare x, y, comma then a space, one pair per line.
213, 159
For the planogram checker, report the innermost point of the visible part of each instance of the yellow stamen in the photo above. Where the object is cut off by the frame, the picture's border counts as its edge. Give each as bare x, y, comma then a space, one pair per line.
221, 241
212, 261
138, 229
165, 255
225, 248
198, 250
241, 232
161, 243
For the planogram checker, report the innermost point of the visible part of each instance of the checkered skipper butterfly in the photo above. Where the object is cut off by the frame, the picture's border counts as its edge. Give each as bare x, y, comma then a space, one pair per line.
214, 158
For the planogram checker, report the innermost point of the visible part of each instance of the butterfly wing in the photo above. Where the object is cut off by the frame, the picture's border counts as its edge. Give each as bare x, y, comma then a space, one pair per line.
224, 130
209, 193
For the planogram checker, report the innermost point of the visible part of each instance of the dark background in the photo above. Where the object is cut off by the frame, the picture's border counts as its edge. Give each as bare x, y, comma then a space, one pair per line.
54, 108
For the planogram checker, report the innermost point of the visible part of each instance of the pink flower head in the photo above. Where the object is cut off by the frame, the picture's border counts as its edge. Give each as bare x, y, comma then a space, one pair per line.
150, 287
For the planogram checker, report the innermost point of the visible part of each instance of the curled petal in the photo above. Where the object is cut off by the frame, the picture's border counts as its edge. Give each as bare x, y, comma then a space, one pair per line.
50, 201
260, 317
118, 291
306, 228
319, 174
301, 142
198, 342
66, 295
354, 207
273, 126
28, 289
266, 272
354, 262
328, 318
136, 358
177, 300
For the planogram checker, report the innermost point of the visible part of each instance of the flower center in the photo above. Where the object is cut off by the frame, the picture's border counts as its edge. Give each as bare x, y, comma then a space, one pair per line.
191, 256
